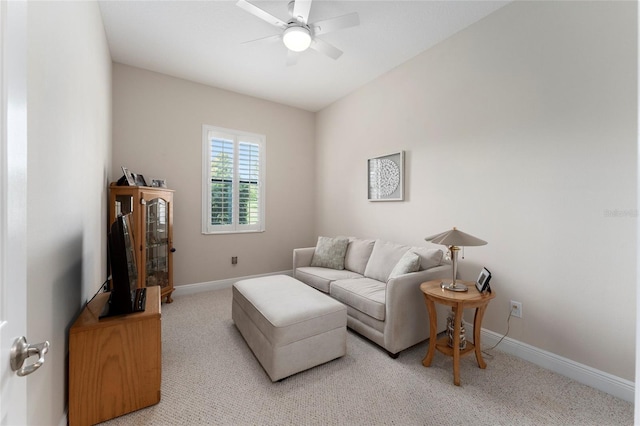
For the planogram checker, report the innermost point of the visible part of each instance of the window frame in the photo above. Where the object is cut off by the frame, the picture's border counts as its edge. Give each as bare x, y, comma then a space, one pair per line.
237, 137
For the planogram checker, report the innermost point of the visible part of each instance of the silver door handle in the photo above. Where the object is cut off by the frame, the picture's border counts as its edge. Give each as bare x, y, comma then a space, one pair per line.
21, 350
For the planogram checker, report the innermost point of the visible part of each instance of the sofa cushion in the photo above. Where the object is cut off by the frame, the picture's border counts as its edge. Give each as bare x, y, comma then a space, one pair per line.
329, 252
357, 256
320, 278
384, 257
429, 258
364, 294
409, 262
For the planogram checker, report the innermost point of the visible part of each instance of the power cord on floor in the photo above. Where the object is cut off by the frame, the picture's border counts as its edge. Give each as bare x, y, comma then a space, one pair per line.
484, 351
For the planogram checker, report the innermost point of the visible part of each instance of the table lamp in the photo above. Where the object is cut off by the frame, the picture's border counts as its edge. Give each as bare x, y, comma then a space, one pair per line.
455, 239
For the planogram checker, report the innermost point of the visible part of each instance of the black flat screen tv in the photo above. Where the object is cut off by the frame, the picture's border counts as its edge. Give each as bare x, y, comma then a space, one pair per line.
125, 297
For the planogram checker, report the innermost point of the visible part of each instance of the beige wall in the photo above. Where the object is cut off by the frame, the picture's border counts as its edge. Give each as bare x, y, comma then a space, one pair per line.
520, 130
157, 131
69, 151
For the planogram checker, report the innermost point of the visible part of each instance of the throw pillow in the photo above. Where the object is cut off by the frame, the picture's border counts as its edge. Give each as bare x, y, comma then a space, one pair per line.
329, 252
429, 258
383, 259
409, 262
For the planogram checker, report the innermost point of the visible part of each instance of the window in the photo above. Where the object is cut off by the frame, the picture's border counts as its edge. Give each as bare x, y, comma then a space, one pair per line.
233, 181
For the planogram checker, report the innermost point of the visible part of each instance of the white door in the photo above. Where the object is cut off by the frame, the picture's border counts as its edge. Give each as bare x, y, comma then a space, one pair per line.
13, 205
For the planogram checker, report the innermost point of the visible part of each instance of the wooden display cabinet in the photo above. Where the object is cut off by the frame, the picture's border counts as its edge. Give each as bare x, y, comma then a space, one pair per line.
115, 363
152, 218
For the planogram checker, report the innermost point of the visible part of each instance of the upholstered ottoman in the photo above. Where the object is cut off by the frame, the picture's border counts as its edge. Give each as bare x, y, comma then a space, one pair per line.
289, 326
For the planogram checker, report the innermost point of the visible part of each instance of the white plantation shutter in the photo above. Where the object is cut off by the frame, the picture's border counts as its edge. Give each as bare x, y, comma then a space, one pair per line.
249, 183
221, 205
233, 181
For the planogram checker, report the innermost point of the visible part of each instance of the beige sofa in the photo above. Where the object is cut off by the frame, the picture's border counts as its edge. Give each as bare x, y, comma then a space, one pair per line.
384, 301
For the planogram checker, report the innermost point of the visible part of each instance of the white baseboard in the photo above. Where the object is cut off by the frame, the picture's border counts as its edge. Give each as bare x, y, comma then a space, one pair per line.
219, 284
613, 385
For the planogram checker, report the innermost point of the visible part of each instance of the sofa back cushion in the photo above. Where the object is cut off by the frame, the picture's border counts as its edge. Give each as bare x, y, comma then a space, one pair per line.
429, 258
358, 253
384, 257
329, 252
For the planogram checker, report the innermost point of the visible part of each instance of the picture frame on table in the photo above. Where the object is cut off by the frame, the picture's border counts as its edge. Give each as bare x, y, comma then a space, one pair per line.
482, 283
385, 177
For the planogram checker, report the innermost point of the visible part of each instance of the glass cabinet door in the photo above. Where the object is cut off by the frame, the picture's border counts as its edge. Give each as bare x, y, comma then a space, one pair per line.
157, 243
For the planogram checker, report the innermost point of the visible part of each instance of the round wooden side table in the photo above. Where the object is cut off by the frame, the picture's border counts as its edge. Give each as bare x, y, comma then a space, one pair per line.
434, 293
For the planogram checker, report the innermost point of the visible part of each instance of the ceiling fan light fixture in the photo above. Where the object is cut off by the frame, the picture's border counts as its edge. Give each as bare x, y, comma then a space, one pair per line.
296, 38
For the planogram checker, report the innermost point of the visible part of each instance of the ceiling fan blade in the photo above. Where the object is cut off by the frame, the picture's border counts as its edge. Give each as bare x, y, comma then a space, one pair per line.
292, 58
267, 38
334, 24
326, 48
301, 10
265, 16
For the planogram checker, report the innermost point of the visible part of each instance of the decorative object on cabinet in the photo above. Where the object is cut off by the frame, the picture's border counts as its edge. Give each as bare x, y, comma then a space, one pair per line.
128, 177
455, 239
140, 180
152, 217
386, 177
158, 183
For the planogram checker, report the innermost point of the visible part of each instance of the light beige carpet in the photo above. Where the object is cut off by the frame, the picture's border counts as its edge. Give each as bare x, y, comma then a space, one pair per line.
210, 377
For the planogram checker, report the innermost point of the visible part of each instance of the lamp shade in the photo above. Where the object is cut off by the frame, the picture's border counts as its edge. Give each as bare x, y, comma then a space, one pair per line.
454, 237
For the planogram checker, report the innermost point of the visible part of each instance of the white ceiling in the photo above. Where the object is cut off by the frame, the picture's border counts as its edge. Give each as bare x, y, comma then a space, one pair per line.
202, 41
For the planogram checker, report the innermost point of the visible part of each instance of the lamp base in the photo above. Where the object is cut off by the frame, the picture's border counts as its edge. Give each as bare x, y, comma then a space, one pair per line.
454, 287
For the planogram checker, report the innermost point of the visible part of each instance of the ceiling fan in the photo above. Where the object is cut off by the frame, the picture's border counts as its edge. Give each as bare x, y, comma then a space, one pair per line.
298, 34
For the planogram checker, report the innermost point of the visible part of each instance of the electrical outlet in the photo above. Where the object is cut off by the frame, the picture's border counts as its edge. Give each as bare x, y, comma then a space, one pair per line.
234, 260
516, 309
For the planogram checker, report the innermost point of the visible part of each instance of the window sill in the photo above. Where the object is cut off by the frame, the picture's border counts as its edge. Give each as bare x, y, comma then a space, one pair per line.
252, 231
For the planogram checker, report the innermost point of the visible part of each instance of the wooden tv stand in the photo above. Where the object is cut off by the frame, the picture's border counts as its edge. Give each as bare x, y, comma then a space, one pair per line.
114, 363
